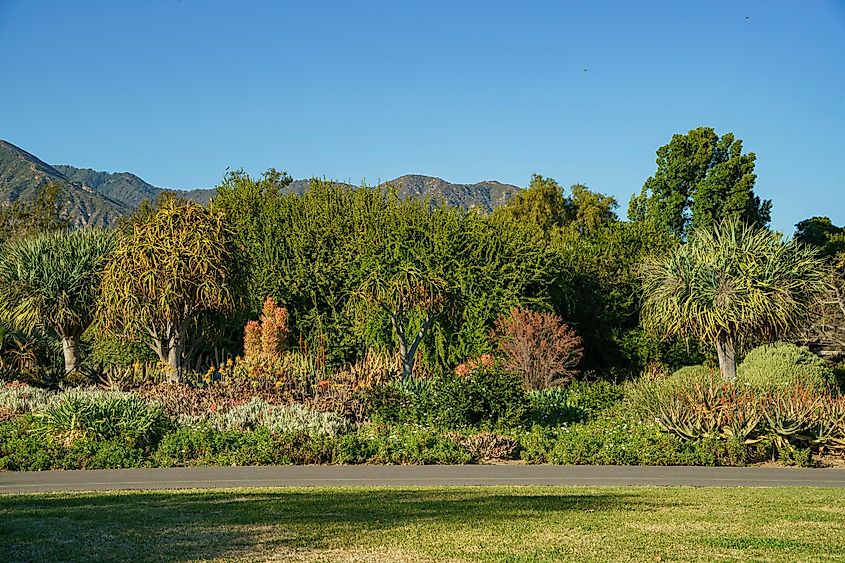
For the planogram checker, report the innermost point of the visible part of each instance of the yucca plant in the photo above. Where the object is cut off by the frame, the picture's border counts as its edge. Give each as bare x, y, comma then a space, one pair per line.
49, 282
730, 286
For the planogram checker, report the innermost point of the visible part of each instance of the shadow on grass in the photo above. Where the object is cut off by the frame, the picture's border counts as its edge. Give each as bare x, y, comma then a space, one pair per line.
201, 525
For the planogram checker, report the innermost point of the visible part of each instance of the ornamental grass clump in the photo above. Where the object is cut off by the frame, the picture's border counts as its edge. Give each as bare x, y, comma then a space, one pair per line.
280, 419
18, 398
105, 417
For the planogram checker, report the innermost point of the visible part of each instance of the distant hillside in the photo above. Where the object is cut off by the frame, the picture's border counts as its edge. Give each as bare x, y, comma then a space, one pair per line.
124, 187
23, 175
481, 195
100, 198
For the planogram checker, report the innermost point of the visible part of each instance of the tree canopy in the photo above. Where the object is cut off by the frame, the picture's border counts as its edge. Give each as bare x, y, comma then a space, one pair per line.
701, 180
165, 272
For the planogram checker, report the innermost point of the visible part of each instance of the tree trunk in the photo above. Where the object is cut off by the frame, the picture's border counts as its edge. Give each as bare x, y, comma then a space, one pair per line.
727, 359
407, 361
408, 354
69, 346
174, 359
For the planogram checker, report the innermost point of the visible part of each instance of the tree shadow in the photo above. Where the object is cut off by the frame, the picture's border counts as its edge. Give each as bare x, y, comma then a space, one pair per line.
181, 526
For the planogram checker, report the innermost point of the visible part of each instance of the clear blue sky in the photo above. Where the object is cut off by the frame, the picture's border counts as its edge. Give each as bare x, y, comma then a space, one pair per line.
176, 91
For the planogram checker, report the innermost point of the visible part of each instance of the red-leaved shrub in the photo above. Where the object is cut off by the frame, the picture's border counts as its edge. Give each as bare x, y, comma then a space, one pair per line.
540, 347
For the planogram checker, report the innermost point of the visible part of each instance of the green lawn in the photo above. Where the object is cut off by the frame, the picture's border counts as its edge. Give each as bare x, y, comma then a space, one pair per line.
426, 524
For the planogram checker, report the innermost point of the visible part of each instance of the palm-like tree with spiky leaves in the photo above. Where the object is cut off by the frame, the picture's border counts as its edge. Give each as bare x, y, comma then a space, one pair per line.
732, 286
50, 282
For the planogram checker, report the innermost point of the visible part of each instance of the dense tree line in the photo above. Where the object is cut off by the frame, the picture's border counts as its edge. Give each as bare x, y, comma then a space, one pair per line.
358, 269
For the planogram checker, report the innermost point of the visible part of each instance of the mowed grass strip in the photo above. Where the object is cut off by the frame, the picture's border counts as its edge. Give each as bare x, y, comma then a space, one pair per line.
429, 524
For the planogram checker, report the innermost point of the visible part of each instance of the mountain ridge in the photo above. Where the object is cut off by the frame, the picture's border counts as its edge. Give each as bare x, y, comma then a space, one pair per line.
93, 197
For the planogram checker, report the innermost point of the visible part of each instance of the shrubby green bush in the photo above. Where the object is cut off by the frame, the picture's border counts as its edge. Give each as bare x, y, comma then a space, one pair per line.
578, 401
552, 407
616, 439
111, 350
595, 397
21, 449
209, 446
693, 375
783, 364
400, 444
487, 398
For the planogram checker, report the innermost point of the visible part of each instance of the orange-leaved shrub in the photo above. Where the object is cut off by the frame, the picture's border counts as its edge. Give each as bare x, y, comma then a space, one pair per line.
466, 368
265, 343
266, 339
540, 347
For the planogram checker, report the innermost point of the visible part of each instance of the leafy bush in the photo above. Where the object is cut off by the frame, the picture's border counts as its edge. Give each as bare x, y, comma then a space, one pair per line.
107, 417
552, 407
783, 364
540, 347
594, 397
288, 419
576, 402
488, 397
694, 375
21, 449
189, 446
614, 439
114, 351
402, 444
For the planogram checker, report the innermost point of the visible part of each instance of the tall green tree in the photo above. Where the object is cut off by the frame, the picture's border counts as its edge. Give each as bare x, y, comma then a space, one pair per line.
50, 282
542, 203
169, 269
591, 210
314, 252
597, 285
701, 179
821, 233
732, 286
20, 219
826, 326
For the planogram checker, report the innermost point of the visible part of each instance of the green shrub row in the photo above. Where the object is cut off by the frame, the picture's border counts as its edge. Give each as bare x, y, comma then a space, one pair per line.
22, 449
615, 439
488, 399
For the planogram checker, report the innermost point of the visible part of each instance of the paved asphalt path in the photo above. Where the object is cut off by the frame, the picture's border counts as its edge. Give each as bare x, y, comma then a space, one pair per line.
412, 476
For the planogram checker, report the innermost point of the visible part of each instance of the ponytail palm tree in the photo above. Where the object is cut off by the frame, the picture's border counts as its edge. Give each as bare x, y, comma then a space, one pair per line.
731, 286
50, 282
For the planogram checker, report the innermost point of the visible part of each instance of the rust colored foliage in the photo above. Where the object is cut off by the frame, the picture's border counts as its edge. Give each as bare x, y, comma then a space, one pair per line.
266, 339
540, 347
466, 368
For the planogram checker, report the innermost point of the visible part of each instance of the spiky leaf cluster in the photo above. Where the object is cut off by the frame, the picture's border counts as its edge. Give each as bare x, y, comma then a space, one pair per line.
732, 282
